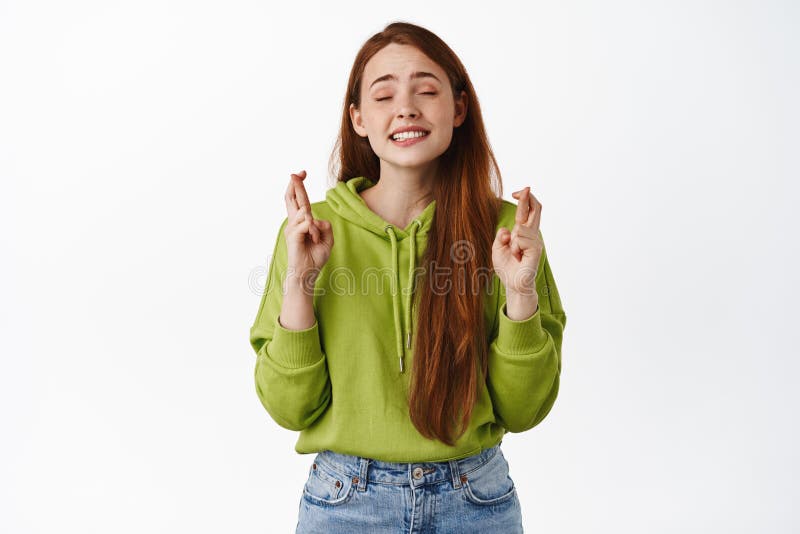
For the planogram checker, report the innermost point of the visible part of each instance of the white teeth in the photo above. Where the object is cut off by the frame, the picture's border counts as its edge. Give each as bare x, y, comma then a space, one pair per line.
408, 135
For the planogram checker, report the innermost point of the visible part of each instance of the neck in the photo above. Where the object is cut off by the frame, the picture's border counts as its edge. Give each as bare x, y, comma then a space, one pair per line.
400, 194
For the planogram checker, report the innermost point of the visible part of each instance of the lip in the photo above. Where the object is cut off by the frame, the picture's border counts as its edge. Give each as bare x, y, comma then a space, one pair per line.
409, 128
409, 142
413, 140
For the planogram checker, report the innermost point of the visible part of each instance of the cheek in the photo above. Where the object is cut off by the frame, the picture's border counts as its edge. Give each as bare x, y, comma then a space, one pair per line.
445, 118
446, 115
447, 137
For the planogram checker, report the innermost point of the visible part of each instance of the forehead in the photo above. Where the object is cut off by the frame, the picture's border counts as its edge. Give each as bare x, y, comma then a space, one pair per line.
401, 61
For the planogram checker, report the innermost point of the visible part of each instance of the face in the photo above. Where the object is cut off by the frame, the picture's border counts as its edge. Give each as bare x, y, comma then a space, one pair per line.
394, 94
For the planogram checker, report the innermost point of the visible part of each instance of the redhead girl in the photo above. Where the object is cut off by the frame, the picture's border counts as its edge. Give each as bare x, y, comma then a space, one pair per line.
411, 318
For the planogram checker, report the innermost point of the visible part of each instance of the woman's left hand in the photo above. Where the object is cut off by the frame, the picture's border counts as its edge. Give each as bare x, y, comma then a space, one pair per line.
516, 253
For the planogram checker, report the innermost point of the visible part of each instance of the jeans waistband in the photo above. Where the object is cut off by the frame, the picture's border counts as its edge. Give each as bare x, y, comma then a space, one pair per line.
367, 470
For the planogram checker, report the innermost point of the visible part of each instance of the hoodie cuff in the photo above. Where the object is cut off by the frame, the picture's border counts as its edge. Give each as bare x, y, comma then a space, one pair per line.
295, 348
520, 337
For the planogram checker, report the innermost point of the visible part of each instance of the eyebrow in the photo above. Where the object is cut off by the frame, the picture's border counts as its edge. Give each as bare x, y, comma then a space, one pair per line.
414, 75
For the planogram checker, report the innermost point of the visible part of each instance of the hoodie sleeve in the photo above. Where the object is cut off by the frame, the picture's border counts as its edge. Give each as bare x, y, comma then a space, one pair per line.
291, 373
525, 356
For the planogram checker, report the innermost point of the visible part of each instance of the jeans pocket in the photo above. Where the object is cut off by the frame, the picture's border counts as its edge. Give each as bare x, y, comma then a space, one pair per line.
490, 483
327, 486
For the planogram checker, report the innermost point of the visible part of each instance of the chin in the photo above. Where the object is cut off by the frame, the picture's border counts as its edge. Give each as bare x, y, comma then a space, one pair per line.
412, 158
411, 162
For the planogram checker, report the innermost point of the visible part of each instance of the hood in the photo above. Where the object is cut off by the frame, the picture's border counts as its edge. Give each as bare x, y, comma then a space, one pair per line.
345, 201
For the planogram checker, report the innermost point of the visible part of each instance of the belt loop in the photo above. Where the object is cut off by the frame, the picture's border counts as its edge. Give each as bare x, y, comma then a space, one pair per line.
362, 476
455, 474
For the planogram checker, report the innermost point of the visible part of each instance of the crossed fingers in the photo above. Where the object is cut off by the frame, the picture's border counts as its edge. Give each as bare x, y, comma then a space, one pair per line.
528, 214
297, 198
296, 195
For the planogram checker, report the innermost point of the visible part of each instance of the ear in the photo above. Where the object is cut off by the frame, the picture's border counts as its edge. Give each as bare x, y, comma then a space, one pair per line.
355, 120
461, 110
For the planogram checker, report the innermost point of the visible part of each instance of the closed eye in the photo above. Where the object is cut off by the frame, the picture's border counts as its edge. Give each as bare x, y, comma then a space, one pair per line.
388, 97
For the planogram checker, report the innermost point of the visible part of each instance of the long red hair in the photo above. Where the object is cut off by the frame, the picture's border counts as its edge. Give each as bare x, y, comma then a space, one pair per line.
451, 343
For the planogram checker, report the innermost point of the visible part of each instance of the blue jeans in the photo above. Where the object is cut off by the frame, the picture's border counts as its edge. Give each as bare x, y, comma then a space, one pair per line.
355, 494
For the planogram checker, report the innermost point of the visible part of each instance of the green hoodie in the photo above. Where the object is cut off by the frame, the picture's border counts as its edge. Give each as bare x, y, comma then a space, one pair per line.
343, 382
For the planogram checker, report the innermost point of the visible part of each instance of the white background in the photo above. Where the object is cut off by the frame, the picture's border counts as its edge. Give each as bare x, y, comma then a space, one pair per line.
144, 151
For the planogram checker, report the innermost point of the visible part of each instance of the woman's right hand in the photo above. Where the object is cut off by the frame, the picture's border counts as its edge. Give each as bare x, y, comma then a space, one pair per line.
309, 241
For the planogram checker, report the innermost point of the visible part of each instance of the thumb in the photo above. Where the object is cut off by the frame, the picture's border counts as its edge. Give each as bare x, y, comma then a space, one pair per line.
324, 227
502, 238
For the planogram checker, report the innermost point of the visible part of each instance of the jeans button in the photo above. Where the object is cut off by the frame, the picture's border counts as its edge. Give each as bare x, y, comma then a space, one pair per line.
418, 473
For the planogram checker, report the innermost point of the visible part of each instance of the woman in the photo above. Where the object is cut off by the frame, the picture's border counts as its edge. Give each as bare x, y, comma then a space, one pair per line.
405, 394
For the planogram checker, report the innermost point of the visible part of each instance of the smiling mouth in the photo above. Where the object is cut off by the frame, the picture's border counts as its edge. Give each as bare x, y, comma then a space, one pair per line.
408, 141
415, 135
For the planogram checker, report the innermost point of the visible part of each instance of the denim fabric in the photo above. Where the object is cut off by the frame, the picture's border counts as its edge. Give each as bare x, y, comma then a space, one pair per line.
350, 494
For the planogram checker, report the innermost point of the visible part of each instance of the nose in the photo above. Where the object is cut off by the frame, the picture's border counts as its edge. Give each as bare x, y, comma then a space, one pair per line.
407, 111
407, 108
